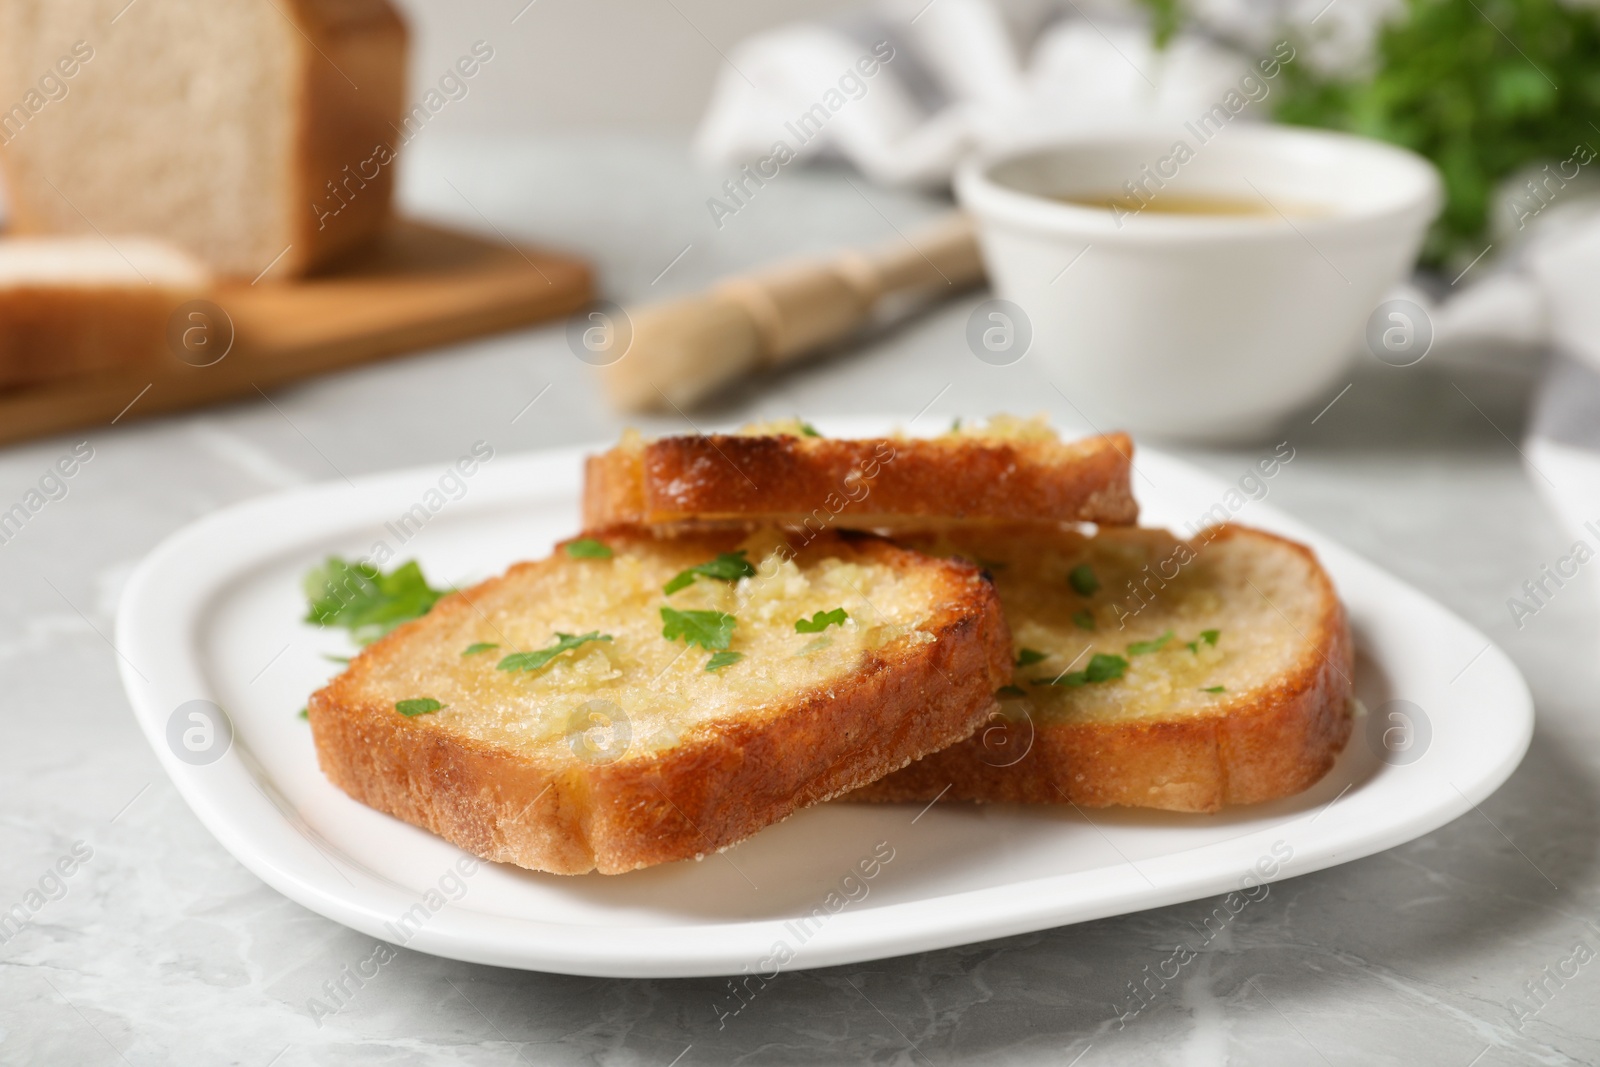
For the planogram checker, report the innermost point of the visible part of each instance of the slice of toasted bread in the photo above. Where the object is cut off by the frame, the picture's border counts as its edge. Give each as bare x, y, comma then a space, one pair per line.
1011, 470
629, 749
1235, 689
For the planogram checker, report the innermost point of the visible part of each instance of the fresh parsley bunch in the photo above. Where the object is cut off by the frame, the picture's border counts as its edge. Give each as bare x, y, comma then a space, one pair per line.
1480, 87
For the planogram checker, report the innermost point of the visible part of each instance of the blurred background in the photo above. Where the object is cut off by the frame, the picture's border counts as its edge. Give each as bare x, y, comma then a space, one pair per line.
607, 66
588, 131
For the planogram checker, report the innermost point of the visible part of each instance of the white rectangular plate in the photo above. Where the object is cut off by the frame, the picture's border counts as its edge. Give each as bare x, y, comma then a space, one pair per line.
215, 614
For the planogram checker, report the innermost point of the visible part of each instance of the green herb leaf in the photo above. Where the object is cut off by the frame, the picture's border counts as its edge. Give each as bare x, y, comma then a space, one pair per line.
1083, 580
821, 621
589, 548
305, 713
711, 630
809, 430
1215, 689
955, 424
1011, 691
1102, 668
478, 646
720, 660
1207, 636
362, 599
532, 661
727, 567
1140, 648
420, 706
1027, 657
1083, 620
336, 659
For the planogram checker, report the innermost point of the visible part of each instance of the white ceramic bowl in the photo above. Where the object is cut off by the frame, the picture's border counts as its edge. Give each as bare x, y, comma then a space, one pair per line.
1200, 326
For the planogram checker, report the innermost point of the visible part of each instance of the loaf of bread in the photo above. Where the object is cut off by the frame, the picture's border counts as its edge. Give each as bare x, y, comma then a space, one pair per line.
256, 134
70, 305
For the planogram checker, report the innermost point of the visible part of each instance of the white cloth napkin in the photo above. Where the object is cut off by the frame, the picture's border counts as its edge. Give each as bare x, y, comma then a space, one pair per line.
969, 75
953, 77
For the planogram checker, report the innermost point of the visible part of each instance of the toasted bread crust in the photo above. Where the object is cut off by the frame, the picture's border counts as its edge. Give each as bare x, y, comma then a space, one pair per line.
821, 482
1271, 742
722, 782
343, 130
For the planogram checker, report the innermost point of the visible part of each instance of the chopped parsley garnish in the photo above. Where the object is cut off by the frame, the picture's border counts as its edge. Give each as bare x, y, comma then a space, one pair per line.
808, 430
336, 659
955, 424
362, 599
588, 548
821, 621
1083, 620
711, 630
727, 567
305, 713
1011, 691
478, 646
420, 706
532, 661
1215, 689
1207, 636
1140, 648
720, 660
1102, 668
1027, 657
1082, 579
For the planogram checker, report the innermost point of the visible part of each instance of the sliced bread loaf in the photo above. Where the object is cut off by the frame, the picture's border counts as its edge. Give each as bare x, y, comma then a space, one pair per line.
72, 305
254, 133
1010, 470
633, 700
1152, 672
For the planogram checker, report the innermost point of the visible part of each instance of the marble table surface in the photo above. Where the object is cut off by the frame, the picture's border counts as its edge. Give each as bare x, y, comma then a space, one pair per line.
159, 948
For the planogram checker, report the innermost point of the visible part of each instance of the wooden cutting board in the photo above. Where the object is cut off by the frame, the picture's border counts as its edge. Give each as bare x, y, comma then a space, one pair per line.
419, 286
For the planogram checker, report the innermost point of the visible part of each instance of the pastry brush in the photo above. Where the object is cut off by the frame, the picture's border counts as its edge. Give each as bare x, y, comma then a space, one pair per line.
685, 349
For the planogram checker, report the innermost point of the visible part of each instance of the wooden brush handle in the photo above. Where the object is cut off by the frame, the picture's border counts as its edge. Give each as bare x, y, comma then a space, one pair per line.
683, 350
800, 307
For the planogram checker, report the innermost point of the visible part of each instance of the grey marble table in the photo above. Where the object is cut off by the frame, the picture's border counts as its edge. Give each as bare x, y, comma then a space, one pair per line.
158, 948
